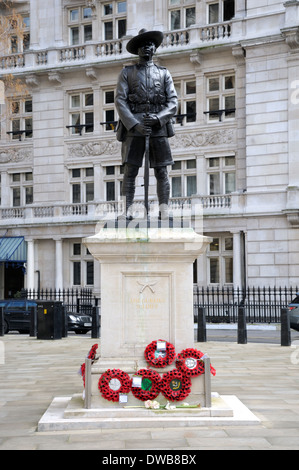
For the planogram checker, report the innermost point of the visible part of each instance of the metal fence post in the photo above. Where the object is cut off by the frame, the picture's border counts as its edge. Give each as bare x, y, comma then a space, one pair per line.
95, 329
285, 327
201, 325
242, 331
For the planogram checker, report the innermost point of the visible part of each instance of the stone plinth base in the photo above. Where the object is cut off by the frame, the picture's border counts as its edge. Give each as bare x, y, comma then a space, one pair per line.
68, 413
200, 388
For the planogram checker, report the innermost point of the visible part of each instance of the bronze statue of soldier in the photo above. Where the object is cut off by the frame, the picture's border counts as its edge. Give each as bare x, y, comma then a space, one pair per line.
146, 101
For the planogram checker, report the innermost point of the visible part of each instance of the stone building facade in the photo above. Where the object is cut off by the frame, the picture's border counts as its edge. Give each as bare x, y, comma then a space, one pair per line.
235, 64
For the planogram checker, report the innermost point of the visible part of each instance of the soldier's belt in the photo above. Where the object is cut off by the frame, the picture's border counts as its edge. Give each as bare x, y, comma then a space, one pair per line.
145, 108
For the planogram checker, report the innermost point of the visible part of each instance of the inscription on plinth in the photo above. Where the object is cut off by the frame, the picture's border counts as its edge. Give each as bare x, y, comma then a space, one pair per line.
147, 306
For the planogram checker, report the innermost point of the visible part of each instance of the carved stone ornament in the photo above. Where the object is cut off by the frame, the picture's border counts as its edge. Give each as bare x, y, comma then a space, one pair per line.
14, 155
54, 77
203, 139
92, 149
179, 141
32, 80
291, 36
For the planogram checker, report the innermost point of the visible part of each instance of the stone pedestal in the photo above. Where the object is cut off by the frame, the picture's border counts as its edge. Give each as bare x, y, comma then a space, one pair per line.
146, 287
146, 295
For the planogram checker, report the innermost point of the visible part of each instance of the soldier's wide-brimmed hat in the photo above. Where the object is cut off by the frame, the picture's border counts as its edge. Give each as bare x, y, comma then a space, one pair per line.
155, 36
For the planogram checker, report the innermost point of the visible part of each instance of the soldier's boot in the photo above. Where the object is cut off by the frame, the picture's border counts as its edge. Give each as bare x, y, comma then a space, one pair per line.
163, 190
128, 188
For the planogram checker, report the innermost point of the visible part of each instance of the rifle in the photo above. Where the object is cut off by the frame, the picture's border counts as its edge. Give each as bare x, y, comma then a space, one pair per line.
146, 174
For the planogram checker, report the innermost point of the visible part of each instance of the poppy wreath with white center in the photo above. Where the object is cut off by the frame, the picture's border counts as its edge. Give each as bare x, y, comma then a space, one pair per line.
159, 362
104, 384
200, 366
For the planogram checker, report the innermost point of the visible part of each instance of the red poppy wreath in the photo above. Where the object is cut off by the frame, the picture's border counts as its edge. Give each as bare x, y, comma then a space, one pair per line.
150, 385
175, 386
91, 355
113, 383
190, 362
158, 358
92, 352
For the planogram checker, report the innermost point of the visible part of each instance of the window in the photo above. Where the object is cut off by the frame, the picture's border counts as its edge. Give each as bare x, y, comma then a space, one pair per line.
113, 176
109, 110
181, 14
220, 260
22, 188
183, 179
223, 10
80, 25
221, 175
26, 33
186, 91
221, 97
82, 265
21, 118
19, 39
82, 185
81, 113
114, 20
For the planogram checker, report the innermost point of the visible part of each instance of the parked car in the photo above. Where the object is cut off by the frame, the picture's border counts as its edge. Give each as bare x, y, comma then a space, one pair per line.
294, 313
80, 324
17, 314
17, 317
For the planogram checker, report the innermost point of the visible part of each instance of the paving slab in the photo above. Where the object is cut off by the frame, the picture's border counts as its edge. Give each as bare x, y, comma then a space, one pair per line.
263, 377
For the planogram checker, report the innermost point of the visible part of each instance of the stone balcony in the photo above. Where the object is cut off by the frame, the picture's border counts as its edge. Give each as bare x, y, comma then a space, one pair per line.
187, 207
89, 53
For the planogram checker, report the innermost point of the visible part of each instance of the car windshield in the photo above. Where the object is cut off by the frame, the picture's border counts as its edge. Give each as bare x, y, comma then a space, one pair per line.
295, 300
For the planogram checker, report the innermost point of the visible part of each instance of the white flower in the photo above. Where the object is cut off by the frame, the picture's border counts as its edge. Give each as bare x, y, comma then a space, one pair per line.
149, 404
169, 406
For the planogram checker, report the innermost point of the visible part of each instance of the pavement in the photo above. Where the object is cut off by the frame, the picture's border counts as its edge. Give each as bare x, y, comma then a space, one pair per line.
264, 376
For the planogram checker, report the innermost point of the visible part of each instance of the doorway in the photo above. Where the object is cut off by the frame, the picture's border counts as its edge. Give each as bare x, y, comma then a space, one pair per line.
13, 279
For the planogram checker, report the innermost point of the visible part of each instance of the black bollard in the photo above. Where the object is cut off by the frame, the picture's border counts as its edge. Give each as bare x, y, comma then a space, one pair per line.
242, 331
33, 322
201, 325
95, 329
1, 321
285, 327
65, 322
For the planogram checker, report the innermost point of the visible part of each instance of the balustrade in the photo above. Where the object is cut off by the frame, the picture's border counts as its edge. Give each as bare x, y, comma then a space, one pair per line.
111, 208
215, 31
175, 38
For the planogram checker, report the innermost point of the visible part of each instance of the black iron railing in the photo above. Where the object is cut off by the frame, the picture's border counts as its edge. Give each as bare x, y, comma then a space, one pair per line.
75, 300
261, 304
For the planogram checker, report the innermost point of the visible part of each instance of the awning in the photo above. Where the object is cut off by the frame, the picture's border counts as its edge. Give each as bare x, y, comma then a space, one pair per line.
13, 249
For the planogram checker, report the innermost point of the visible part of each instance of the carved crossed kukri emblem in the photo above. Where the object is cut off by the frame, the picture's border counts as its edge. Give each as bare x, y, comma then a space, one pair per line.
149, 285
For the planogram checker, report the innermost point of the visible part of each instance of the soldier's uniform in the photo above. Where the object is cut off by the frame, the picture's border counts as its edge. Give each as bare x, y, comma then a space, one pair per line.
145, 88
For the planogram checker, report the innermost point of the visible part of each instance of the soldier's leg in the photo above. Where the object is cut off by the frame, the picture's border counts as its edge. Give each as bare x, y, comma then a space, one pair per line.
128, 186
163, 189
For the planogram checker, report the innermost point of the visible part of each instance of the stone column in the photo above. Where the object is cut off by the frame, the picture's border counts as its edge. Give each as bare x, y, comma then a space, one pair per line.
237, 259
30, 264
58, 265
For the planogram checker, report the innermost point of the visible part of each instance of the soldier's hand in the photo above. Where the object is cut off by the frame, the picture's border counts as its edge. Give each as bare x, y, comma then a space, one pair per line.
150, 120
142, 129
